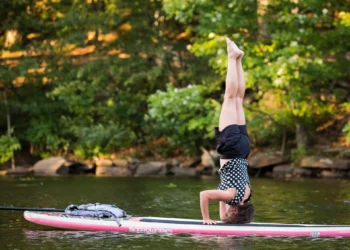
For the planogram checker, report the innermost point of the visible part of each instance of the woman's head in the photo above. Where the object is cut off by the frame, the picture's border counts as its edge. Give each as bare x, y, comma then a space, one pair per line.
239, 214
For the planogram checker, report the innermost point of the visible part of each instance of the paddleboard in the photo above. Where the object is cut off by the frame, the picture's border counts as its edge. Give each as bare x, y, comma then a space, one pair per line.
158, 225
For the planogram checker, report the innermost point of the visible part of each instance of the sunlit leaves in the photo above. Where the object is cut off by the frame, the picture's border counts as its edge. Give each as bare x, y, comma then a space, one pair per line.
99, 139
86, 70
184, 115
292, 64
181, 10
7, 147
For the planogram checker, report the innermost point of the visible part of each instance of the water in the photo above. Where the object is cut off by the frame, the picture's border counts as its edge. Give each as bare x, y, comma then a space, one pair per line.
298, 201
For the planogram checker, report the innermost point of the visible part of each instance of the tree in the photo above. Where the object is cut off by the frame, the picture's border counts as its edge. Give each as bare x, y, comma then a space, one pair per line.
80, 72
296, 70
92, 76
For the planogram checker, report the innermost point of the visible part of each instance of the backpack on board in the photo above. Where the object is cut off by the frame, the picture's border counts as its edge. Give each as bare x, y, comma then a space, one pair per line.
96, 210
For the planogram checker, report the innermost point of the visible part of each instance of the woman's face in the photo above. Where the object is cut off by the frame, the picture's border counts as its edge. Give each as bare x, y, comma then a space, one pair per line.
232, 210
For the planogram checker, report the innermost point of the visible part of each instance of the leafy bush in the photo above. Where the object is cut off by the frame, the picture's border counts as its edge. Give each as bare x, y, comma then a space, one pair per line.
346, 130
99, 139
7, 147
297, 153
185, 116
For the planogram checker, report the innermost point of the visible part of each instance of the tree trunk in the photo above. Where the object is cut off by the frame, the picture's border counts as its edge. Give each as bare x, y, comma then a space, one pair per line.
263, 31
8, 125
284, 141
301, 136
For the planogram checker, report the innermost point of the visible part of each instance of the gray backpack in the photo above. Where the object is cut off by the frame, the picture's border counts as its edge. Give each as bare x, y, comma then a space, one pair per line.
96, 210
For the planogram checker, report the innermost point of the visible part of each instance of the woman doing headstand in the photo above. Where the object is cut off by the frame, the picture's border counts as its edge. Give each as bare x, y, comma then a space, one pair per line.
233, 145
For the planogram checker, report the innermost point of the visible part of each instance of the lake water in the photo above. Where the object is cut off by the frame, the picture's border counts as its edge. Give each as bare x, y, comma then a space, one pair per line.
297, 201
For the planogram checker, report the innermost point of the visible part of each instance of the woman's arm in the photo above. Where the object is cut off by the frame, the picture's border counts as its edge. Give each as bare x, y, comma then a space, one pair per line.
223, 209
213, 195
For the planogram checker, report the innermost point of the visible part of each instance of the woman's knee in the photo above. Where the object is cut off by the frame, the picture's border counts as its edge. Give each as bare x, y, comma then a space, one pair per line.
230, 99
239, 101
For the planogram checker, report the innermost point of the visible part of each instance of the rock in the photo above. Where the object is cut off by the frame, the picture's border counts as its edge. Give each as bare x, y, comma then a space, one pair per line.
184, 172
20, 171
337, 152
206, 159
132, 160
150, 168
331, 150
215, 172
345, 153
282, 171
324, 162
3, 172
103, 162
190, 163
112, 171
133, 168
302, 172
164, 172
206, 170
209, 158
120, 163
261, 160
88, 163
267, 174
51, 166
175, 163
332, 174
288, 176
216, 157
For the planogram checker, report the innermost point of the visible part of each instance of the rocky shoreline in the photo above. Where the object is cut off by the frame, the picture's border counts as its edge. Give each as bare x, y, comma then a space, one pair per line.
335, 163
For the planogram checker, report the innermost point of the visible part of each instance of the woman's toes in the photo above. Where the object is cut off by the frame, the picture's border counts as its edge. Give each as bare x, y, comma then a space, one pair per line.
229, 46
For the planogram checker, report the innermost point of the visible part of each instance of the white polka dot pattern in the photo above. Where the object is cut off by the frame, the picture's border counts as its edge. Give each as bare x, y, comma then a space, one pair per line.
234, 174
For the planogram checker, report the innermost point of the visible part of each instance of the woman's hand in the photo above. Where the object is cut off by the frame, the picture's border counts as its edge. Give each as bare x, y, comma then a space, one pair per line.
209, 221
216, 195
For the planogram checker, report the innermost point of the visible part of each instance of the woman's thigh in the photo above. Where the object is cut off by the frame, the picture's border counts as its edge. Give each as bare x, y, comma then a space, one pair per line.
228, 115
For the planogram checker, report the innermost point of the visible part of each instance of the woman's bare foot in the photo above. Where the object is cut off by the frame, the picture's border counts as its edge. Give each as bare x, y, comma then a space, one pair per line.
233, 51
241, 52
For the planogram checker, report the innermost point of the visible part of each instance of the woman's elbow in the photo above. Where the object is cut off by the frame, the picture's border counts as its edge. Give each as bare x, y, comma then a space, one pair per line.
203, 195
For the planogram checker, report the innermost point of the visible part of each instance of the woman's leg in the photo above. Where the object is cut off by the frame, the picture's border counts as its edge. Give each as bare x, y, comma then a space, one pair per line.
229, 110
241, 91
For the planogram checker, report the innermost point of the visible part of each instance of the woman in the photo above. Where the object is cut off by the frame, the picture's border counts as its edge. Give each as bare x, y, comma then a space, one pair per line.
234, 147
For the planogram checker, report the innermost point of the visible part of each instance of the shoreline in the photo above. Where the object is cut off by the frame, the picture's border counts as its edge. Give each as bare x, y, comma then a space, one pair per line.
261, 164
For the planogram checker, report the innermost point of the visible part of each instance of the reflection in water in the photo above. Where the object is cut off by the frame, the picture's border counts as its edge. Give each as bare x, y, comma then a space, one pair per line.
61, 234
234, 243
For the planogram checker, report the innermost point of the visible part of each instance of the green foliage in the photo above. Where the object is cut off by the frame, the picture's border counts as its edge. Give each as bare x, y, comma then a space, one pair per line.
346, 130
171, 185
185, 116
99, 139
291, 69
297, 153
7, 147
90, 76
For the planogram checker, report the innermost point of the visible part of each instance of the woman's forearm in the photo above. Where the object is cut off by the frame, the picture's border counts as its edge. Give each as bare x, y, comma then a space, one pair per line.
214, 195
222, 210
204, 202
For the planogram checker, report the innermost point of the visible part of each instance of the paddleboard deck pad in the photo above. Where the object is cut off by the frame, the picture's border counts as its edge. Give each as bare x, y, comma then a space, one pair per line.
158, 225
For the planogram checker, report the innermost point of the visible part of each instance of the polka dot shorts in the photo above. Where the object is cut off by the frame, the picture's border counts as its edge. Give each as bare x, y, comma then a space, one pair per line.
234, 174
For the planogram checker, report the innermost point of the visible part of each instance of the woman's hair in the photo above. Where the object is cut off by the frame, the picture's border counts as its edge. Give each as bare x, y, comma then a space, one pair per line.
245, 215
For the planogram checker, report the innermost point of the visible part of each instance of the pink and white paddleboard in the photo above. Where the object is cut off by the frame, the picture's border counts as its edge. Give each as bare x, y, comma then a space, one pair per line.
156, 225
